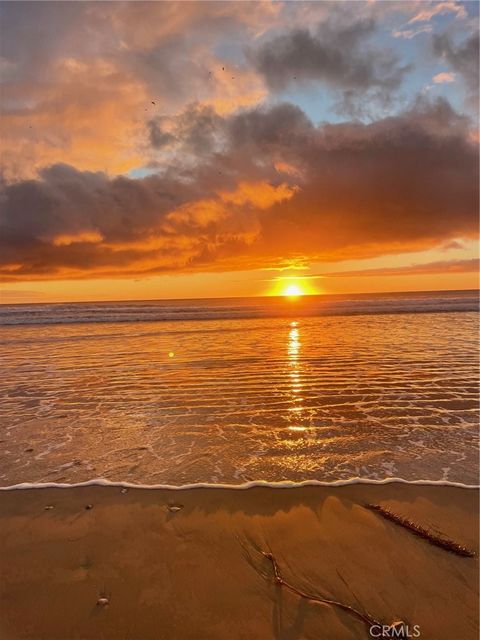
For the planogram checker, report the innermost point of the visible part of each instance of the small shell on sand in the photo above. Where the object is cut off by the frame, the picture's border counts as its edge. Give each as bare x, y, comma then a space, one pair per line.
175, 507
48, 507
124, 490
103, 601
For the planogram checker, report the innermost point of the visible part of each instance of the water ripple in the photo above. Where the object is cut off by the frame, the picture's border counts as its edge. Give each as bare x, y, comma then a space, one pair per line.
239, 400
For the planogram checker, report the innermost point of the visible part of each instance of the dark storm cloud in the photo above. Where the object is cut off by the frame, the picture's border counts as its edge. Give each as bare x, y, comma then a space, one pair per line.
157, 137
338, 55
463, 58
406, 179
48, 224
198, 128
283, 126
273, 186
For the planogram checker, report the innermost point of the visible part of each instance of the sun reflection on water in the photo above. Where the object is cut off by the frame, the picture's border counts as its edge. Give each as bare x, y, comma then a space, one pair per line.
296, 387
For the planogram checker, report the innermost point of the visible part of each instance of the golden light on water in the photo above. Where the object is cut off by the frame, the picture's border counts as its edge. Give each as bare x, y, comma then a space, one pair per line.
293, 345
293, 352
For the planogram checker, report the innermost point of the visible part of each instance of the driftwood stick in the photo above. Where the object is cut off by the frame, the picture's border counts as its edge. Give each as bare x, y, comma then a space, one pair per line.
422, 532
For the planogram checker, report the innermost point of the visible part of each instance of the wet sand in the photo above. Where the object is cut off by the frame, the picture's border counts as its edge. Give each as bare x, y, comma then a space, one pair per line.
103, 564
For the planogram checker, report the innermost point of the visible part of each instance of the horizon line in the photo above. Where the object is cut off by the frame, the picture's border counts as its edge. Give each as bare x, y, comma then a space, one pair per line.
276, 296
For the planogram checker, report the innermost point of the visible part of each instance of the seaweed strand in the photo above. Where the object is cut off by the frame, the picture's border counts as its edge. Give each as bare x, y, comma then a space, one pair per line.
422, 532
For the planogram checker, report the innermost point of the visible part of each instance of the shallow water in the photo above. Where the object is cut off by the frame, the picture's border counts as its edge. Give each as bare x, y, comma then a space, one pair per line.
236, 400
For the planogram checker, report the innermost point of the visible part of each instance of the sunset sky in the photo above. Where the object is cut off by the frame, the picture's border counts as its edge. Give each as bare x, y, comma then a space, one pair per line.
178, 150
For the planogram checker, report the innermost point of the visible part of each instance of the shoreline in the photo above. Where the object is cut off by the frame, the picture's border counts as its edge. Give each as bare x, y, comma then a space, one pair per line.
252, 484
110, 561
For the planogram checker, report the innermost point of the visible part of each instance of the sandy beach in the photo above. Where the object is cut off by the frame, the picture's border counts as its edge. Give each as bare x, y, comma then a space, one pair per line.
308, 562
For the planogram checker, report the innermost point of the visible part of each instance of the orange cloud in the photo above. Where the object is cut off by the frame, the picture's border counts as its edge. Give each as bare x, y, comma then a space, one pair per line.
261, 195
444, 77
231, 87
83, 236
402, 184
88, 117
438, 8
444, 266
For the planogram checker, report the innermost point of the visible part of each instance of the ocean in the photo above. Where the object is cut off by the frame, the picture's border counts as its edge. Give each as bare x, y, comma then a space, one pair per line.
322, 388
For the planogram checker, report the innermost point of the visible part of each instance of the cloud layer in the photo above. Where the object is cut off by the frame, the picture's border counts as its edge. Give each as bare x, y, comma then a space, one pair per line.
268, 185
463, 57
143, 138
442, 266
340, 55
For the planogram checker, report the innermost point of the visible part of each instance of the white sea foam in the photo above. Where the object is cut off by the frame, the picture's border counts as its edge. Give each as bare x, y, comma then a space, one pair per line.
102, 482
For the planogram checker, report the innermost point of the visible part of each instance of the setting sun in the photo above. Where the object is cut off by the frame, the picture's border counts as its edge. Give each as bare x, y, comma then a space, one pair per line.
293, 287
293, 291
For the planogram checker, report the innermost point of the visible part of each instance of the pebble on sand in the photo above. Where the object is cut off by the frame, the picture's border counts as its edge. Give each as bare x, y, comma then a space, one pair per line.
175, 507
103, 601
